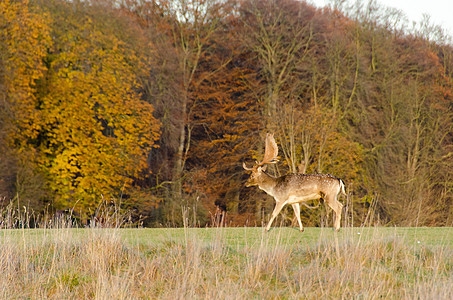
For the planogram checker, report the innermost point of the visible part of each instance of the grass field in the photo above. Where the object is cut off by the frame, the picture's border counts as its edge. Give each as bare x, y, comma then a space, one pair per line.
227, 263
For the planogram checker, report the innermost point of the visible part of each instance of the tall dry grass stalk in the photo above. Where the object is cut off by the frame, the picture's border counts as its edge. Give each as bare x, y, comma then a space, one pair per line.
63, 262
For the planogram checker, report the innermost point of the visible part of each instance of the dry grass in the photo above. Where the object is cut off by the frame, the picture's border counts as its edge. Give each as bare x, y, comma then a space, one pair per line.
62, 262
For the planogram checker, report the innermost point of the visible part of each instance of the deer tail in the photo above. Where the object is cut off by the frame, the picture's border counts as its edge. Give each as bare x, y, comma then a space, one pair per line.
342, 187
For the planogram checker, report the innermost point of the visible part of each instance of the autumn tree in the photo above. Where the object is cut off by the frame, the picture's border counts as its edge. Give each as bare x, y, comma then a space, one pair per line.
289, 40
227, 120
24, 40
96, 133
179, 31
279, 33
392, 115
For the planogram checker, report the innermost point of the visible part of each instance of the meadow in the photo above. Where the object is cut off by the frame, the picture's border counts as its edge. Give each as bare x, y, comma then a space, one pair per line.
62, 261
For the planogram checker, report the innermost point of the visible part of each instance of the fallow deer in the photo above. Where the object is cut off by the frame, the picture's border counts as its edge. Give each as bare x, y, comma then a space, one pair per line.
294, 189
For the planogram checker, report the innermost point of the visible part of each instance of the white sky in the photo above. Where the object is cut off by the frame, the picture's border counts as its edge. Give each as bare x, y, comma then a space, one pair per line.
440, 11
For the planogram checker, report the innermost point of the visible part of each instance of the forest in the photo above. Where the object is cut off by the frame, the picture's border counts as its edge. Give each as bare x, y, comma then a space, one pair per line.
151, 107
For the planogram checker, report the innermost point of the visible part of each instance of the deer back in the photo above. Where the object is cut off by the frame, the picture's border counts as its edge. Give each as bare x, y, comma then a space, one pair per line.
303, 184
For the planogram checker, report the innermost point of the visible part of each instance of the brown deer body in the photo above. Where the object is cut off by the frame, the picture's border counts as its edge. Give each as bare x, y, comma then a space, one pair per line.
295, 189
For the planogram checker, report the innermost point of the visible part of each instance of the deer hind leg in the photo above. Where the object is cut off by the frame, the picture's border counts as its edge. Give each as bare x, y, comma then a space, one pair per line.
337, 208
296, 208
278, 207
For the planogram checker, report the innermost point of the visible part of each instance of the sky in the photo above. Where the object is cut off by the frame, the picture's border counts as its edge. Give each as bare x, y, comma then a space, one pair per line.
440, 11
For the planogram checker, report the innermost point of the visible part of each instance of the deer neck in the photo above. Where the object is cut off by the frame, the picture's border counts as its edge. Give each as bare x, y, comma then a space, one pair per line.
267, 183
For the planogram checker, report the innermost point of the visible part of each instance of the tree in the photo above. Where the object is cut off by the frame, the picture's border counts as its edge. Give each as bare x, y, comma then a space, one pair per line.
226, 123
279, 33
96, 132
24, 40
182, 28
392, 115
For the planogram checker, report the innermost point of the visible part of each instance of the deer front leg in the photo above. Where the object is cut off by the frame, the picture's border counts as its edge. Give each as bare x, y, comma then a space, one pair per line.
278, 207
296, 208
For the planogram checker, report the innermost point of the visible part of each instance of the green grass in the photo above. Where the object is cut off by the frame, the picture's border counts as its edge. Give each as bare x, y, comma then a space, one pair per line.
432, 236
195, 263
247, 236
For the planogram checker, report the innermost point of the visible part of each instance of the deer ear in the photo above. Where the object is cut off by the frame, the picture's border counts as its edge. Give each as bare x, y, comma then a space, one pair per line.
263, 168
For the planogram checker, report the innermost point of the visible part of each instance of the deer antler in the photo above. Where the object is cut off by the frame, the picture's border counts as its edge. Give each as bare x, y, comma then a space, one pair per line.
246, 168
270, 151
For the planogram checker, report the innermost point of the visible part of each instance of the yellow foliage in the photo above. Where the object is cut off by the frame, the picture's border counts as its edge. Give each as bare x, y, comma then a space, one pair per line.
24, 40
96, 131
